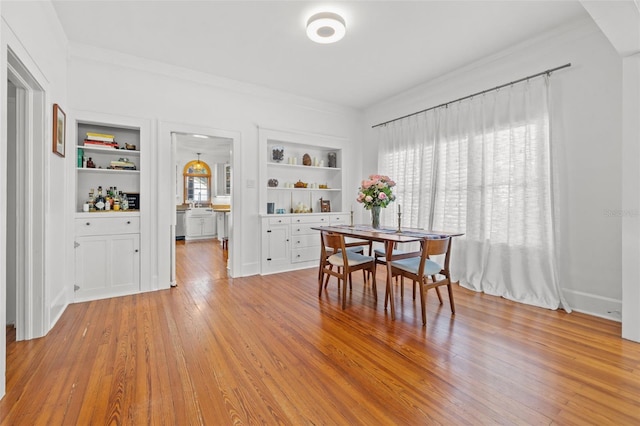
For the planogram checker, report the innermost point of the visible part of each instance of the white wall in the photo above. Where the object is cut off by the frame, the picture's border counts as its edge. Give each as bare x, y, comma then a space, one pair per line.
32, 31
113, 83
620, 22
586, 113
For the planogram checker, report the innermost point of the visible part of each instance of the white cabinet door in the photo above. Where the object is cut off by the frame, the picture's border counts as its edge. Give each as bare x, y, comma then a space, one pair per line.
275, 249
221, 225
200, 227
91, 255
107, 266
125, 262
208, 226
194, 226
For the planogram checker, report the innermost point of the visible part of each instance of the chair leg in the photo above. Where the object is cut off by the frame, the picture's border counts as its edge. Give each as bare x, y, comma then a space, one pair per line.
320, 279
344, 287
423, 302
326, 281
401, 287
433, 277
386, 295
453, 308
413, 283
373, 283
438, 293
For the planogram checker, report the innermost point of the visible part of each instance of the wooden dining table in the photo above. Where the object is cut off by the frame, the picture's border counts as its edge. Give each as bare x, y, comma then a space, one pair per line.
389, 237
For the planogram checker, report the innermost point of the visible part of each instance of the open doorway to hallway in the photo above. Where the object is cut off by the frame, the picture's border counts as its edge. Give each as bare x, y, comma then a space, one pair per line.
11, 217
25, 191
22, 250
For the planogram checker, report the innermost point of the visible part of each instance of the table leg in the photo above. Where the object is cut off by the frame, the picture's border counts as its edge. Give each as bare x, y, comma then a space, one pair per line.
389, 290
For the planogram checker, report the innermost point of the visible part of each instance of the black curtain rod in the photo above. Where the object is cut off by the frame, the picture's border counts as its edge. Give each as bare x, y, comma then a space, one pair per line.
548, 72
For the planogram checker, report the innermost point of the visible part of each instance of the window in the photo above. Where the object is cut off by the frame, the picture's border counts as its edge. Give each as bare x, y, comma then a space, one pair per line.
482, 167
197, 182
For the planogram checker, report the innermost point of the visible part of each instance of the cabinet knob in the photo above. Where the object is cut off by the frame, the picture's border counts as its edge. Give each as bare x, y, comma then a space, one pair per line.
88, 223
128, 222
136, 250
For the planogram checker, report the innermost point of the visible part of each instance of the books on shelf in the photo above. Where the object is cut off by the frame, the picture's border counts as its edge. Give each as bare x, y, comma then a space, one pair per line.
102, 137
122, 164
104, 144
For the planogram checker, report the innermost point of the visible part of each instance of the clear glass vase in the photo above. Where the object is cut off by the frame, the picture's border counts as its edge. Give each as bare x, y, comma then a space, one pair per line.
375, 217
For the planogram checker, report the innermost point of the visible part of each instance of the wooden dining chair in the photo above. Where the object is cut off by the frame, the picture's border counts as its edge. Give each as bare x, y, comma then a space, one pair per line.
346, 261
355, 246
380, 254
420, 268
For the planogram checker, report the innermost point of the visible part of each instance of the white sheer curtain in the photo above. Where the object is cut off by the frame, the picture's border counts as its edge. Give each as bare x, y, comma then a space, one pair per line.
482, 167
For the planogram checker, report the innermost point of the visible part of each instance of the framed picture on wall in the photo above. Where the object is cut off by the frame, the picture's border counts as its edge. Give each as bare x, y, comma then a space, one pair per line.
59, 130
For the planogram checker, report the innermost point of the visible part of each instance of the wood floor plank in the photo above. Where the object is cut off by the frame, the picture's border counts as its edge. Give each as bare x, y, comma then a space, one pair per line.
268, 350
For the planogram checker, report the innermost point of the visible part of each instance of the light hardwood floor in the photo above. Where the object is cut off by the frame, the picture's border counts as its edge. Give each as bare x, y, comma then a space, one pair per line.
267, 350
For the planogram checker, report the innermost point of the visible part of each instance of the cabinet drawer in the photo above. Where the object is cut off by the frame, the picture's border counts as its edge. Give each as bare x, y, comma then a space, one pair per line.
305, 254
304, 229
318, 220
340, 219
309, 240
107, 225
279, 220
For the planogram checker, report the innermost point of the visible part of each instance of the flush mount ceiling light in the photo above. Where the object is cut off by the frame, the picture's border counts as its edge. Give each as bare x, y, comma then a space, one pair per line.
326, 27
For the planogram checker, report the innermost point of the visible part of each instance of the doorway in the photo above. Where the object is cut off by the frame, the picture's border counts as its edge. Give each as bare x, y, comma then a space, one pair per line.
202, 165
26, 150
11, 217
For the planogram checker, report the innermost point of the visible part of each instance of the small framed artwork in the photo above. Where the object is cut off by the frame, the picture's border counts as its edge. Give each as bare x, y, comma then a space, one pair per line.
133, 200
59, 130
325, 206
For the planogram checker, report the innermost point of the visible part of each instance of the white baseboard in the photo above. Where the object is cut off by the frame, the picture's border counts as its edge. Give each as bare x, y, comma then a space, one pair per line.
599, 306
57, 308
248, 269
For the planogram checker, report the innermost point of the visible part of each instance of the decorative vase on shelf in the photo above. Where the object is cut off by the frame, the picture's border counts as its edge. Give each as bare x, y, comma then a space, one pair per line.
375, 217
332, 159
277, 153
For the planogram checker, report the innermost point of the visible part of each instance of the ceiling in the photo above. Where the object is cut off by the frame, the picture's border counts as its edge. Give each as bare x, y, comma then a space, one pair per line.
390, 46
211, 146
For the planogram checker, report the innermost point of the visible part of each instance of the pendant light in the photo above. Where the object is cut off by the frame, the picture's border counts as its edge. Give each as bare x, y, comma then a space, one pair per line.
198, 167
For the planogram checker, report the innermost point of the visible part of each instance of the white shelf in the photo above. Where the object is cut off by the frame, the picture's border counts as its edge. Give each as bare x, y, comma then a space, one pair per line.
87, 179
299, 166
296, 146
108, 214
92, 170
303, 189
109, 150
